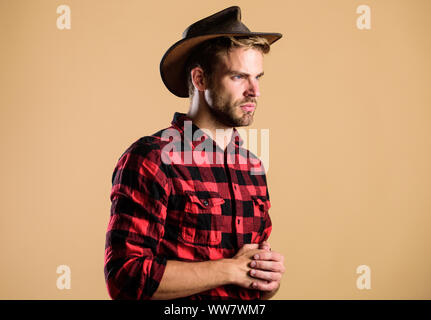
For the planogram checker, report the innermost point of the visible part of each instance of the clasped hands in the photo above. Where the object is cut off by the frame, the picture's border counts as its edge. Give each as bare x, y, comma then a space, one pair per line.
258, 267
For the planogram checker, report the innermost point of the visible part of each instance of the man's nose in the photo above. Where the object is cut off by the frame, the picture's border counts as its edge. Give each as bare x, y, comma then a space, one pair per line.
252, 88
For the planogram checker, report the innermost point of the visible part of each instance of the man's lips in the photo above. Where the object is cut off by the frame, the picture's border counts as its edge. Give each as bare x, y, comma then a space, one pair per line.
248, 107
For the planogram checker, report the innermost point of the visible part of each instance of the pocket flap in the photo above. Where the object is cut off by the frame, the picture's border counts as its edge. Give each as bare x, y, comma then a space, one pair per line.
205, 201
262, 201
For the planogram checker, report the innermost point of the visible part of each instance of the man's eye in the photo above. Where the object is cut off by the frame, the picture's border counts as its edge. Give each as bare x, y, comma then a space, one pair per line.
238, 76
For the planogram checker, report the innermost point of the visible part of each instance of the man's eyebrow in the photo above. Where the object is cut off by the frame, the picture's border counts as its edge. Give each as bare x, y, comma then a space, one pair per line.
243, 73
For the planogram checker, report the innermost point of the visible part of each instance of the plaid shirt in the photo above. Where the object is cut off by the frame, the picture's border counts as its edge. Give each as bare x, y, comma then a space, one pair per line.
182, 211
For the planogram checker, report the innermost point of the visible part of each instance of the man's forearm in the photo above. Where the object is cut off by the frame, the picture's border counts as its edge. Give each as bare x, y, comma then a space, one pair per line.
182, 279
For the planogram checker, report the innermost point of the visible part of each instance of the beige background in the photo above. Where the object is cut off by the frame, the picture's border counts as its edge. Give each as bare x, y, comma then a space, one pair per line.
348, 110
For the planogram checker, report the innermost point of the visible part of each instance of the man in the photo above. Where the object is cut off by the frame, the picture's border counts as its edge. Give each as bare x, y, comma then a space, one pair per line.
182, 227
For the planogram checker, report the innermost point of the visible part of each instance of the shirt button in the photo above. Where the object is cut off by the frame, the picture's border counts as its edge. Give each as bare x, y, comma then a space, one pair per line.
205, 202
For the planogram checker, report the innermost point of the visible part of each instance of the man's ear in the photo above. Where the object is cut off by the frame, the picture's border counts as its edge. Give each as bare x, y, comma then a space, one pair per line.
198, 78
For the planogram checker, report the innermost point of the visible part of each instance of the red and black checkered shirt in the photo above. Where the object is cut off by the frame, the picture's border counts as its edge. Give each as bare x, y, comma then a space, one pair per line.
182, 210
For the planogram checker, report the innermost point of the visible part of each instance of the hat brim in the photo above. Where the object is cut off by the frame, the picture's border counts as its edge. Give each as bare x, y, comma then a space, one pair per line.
172, 65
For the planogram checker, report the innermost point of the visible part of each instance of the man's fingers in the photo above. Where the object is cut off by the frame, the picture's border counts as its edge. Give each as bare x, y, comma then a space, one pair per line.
265, 245
253, 252
267, 265
248, 247
268, 255
262, 246
251, 246
265, 275
265, 285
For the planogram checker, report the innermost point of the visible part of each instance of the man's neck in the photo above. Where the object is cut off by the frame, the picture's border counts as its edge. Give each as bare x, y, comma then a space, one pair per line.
202, 117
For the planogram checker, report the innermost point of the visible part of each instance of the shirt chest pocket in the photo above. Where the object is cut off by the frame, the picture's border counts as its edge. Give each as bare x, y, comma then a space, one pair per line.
261, 205
200, 223
261, 220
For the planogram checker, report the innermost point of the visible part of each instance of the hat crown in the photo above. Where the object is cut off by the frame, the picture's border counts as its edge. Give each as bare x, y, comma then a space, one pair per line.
225, 21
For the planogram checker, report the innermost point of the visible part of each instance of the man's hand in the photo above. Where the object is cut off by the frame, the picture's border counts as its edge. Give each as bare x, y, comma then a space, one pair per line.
267, 266
257, 267
240, 274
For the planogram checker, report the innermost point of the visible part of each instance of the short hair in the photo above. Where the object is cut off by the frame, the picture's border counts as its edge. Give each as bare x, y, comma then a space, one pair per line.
207, 54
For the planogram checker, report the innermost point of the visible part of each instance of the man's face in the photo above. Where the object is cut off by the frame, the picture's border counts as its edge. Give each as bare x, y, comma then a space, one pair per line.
234, 87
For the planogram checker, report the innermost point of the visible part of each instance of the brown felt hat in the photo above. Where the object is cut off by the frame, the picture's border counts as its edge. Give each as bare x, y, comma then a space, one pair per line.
224, 23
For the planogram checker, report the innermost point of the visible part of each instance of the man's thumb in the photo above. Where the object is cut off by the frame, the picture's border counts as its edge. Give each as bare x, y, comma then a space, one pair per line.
250, 246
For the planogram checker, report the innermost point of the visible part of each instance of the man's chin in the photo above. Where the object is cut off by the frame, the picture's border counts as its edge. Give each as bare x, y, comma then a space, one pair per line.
245, 121
241, 119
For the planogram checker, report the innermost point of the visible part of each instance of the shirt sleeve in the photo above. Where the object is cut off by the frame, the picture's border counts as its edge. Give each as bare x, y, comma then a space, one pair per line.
267, 205
139, 197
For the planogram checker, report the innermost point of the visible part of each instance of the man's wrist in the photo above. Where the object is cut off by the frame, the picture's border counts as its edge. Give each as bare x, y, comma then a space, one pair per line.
225, 268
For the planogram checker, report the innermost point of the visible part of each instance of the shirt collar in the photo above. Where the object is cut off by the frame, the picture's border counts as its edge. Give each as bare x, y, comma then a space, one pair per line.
178, 123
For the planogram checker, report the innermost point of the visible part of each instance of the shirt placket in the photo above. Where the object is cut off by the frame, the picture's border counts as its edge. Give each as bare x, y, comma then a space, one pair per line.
237, 215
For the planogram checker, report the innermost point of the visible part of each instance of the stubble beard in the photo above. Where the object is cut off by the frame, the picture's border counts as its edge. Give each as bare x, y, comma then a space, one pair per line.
226, 112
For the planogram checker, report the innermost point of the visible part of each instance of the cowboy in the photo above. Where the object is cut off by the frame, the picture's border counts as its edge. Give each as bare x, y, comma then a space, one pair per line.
188, 230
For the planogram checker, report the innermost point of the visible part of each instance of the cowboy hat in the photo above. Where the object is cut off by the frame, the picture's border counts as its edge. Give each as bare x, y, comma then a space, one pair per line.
224, 23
